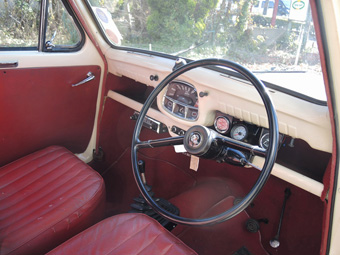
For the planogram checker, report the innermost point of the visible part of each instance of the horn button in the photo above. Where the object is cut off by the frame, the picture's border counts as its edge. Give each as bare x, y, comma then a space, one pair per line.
198, 141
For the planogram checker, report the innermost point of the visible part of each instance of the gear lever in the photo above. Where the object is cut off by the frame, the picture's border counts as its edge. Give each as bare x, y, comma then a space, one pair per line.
141, 167
275, 243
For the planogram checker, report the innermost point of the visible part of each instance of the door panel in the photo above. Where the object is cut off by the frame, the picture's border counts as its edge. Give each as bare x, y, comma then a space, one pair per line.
39, 107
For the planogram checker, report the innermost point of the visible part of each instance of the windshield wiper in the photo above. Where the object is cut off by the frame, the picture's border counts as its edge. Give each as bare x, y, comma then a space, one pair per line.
192, 47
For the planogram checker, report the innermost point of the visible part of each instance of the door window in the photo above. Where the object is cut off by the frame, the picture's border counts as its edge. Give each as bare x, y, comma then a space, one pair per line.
19, 24
21, 21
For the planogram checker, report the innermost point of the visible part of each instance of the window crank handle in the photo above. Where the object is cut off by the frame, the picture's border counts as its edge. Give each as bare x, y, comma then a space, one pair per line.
90, 77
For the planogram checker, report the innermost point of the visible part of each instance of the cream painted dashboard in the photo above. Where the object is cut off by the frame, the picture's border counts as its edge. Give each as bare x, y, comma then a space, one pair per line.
297, 118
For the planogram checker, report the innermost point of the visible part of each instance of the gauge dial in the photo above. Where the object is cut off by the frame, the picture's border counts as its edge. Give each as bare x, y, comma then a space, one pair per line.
239, 132
183, 93
264, 141
181, 100
222, 124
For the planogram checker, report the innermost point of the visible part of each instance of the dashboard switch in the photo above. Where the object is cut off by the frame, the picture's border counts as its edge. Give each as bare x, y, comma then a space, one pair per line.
177, 130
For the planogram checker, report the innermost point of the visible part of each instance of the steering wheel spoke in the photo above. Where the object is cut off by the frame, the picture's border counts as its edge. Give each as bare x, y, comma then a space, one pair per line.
169, 141
252, 149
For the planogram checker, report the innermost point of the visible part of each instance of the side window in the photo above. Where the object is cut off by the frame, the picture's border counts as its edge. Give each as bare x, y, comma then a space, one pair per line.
19, 24
61, 32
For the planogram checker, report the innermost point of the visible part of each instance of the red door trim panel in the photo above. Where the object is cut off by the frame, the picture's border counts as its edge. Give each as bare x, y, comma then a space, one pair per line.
39, 107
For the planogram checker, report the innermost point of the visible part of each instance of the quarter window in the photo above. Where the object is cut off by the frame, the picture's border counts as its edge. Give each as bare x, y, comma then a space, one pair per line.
62, 31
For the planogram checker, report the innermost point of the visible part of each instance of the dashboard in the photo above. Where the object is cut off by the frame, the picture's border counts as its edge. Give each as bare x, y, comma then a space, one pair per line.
181, 101
233, 108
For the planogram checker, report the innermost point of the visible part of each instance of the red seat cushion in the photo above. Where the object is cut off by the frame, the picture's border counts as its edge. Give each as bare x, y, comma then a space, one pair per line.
45, 198
125, 234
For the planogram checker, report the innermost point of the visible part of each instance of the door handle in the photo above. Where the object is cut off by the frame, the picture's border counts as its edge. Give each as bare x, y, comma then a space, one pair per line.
8, 64
90, 77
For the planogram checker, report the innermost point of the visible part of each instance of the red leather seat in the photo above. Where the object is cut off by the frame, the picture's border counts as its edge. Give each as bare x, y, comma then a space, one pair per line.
125, 234
45, 198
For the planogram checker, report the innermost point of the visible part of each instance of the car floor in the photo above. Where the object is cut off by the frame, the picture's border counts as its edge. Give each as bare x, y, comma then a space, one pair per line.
211, 189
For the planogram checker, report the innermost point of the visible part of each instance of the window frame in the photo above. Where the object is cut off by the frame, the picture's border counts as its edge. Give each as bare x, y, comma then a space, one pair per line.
41, 40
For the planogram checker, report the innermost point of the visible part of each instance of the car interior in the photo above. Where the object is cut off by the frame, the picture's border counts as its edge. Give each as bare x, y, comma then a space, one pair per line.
110, 149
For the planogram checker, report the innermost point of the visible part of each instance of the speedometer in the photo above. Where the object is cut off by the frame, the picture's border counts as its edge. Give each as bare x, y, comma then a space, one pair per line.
181, 100
183, 93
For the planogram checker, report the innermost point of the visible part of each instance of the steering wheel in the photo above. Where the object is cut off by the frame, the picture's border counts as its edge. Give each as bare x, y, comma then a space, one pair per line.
206, 143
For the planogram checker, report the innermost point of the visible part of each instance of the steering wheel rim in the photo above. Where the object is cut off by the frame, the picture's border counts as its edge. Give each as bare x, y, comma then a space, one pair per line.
269, 158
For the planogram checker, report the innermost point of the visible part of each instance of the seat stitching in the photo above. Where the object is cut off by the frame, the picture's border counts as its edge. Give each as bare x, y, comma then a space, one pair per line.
34, 155
37, 190
53, 198
33, 159
48, 227
177, 241
65, 182
33, 169
37, 209
148, 244
170, 246
140, 230
47, 173
109, 231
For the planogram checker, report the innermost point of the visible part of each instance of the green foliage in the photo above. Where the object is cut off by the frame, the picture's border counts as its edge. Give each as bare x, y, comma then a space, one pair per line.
19, 23
20, 20
243, 16
120, 4
286, 42
60, 21
234, 34
175, 21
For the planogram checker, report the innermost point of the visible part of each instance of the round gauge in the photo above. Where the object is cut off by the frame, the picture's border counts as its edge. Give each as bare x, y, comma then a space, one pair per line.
264, 141
222, 124
239, 132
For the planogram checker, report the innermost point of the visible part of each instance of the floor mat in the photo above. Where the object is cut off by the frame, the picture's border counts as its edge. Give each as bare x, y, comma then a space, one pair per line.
208, 199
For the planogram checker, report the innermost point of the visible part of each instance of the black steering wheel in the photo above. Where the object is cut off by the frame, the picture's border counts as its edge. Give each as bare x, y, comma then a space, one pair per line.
204, 142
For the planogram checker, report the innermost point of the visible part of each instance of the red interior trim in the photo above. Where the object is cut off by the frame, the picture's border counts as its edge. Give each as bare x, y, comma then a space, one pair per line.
329, 177
93, 40
39, 107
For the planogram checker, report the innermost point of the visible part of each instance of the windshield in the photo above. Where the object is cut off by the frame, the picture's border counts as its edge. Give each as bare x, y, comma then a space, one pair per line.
273, 38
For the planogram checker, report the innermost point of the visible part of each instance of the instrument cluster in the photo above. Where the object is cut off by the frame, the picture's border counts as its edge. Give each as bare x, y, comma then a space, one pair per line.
181, 100
242, 131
